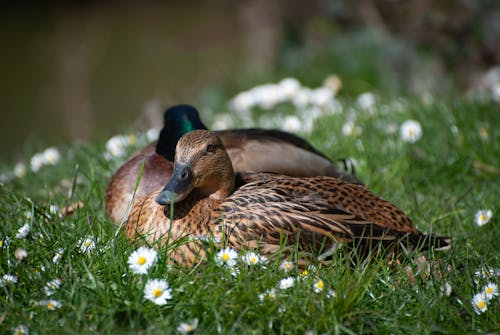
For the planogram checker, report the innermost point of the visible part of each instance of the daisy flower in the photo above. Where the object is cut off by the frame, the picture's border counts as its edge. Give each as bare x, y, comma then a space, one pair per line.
252, 258
116, 145
141, 260
51, 156
23, 231
478, 302
37, 161
51, 304
318, 286
483, 216
87, 244
152, 134
286, 266
490, 290
410, 131
366, 101
20, 254
292, 123
58, 255
20, 330
20, 170
8, 279
52, 286
188, 327
227, 256
269, 294
157, 291
286, 283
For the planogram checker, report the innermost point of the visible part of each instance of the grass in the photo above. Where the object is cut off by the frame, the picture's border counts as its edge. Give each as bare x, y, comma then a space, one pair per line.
440, 181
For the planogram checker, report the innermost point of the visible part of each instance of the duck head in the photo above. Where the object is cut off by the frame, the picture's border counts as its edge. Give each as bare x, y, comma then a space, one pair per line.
177, 121
201, 165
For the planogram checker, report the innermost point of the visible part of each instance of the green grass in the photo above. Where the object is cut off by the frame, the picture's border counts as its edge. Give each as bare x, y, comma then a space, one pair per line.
440, 181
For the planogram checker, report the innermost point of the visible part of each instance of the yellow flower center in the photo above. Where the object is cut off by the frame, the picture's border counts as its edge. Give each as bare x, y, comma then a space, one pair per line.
288, 266
481, 304
482, 218
157, 292
141, 260
320, 284
1, 243
50, 306
87, 243
305, 273
253, 260
225, 257
489, 290
483, 132
411, 132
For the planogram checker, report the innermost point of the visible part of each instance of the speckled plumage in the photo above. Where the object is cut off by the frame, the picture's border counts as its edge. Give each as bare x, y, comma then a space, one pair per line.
315, 213
257, 150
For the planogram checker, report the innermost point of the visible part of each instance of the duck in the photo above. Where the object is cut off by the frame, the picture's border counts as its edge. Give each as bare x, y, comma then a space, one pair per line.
206, 200
251, 149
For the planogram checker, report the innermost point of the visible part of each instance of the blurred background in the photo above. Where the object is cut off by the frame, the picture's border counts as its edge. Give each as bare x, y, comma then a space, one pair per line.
86, 70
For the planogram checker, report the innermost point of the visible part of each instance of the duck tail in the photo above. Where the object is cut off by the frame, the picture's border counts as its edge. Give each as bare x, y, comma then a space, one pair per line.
435, 242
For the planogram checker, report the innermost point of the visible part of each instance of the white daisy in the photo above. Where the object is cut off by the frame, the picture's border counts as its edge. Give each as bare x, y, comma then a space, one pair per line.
188, 327
23, 231
227, 257
251, 258
286, 283
410, 131
87, 245
20, 330
58, 255
366, 101
37, 161
318, 286
157, 291
51, 156
479, 303
52, 286
490, 290
20, 170
483, 216
51, 304
20, 254
141, 260
349, 128
302, 98
292, 123
286, 266
269, 294
152, 134
289, 87
8, 279
116, 145
321, 96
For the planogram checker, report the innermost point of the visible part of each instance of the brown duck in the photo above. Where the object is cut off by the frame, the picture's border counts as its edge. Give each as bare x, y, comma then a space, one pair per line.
257, 150
262, 210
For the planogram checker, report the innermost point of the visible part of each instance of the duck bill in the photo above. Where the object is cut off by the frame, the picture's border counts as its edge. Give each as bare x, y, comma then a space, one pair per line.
179, 186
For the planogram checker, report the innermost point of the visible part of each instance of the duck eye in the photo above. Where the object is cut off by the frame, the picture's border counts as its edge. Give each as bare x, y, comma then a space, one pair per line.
210, 148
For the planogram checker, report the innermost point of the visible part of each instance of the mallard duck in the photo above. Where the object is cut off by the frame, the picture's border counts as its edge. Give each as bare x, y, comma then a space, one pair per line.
261, 210
258, 150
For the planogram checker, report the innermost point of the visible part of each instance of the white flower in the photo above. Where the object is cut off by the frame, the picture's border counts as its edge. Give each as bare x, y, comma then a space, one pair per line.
302, 98
20, 254
349, 128
222, 121
37, 161
321, 96
242, 102
333, 82
483, 216
51, 304
286, 283
484, 272
266, 96
152, 134
252, 258
366, 101
51, 156
20, 330
188, 327
286, 266
269, 294
490, 290
157, 291
479, 303
141, 260
227, 257
318, 286
8, 279
410, 131
292, 123
87, 245
289, 87
52, 286
23, 231
28, 215
58, 255
116, 145
19, 170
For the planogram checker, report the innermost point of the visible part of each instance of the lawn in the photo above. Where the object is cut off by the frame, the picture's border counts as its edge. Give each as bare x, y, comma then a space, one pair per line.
54, 282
